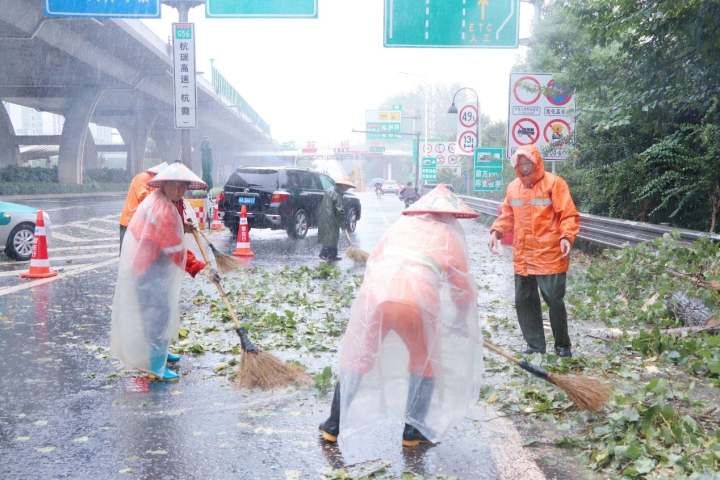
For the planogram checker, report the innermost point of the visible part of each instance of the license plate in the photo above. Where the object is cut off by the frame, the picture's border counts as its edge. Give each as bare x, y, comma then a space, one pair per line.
246, 200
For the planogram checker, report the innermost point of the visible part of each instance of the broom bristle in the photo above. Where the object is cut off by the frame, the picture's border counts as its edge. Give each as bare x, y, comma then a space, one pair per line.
357, 254
586, 392
226, 263
263, 370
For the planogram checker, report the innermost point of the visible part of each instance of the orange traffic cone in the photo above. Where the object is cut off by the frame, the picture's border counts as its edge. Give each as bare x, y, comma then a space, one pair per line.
39, 263
215, 223
242, 247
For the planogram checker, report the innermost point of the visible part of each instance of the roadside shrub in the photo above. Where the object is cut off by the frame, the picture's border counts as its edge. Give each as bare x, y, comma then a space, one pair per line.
107, 175
28, 174
32, 188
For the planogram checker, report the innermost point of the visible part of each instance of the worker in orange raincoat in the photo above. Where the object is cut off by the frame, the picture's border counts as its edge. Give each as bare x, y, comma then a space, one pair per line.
411, 347
137, 192
145, 313
540, 212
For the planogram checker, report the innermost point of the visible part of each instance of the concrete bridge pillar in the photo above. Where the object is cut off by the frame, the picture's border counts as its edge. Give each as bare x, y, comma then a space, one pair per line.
90, 157
135, 137
168, 143
74, 135
9, 151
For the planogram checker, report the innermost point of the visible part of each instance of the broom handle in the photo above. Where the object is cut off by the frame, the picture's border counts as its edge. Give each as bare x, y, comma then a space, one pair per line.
225, 300
524, 364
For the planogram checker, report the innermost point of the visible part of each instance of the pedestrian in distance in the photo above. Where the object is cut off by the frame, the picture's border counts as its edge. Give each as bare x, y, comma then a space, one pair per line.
408, 194
137, 192
540, 212
145, 311
411, 350
332, 219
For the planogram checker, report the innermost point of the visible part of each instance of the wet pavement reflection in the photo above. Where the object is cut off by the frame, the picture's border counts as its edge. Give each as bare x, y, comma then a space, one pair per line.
68, 411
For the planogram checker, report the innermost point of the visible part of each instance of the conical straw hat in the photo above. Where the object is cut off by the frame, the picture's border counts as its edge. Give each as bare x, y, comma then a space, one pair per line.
440, 200
157, 168
345, 183
177, 172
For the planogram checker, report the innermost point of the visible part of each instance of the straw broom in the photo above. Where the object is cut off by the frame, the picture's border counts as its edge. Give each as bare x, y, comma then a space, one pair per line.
586, 392
354, 253
225, 263
258, 369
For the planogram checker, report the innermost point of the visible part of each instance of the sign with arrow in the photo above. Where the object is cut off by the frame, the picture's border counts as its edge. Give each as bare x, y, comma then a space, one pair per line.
452, 24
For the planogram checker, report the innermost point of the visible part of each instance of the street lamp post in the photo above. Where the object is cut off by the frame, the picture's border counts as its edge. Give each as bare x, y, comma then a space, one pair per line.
453, 110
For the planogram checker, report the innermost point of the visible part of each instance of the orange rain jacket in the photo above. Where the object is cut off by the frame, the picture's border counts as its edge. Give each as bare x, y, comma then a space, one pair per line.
137, 192
540, 212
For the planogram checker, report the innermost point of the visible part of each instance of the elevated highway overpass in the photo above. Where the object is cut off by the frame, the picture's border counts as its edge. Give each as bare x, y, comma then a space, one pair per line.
112, 72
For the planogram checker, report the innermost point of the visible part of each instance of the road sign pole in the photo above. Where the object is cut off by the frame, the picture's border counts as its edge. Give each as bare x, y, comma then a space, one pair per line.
416, 160
183, 7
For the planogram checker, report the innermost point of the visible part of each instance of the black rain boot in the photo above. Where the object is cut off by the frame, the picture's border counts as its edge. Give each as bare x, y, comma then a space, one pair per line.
420, 393
330, 428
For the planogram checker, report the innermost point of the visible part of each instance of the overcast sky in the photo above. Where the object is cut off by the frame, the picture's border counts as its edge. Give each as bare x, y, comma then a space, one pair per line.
312, 80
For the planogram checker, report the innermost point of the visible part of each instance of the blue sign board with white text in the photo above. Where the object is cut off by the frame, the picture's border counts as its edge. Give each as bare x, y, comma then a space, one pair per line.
103, 8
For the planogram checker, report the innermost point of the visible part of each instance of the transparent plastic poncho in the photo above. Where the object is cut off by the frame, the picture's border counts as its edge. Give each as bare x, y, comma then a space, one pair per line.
411, 350
145, 311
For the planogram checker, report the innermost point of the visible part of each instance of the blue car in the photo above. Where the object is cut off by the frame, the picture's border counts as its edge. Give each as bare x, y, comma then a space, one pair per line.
17, 229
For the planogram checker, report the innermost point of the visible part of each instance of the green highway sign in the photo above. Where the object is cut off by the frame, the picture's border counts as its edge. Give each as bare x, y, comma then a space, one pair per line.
429, 169
456, 24
377, 149
262, 8
488, 169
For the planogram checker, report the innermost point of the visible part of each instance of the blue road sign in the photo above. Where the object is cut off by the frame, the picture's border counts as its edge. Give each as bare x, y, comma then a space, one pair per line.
262, 8
103, 8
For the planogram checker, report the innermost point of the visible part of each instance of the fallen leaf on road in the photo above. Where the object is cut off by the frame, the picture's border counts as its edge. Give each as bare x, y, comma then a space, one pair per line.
126, 471
292, 474
40, 423
45, 449
82, 439
22, 439
157, 452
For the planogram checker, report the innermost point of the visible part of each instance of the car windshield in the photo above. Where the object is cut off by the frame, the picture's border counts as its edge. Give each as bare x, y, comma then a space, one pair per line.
262, 179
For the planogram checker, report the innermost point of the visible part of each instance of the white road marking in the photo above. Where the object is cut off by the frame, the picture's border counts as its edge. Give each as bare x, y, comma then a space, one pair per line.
73, 239
87, 247
62, 259
43, 281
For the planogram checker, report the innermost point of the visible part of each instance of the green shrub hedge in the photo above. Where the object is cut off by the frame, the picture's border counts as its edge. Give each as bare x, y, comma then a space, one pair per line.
30, 188
28, 174
107, 175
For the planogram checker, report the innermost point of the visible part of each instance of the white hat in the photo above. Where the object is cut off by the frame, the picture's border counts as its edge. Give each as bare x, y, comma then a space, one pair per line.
440, 200
177, 172
157, 168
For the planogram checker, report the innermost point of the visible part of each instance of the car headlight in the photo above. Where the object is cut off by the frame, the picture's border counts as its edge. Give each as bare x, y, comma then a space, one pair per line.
6, 215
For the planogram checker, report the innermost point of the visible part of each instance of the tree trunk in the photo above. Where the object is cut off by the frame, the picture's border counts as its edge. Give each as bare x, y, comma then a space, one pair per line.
692, 312
715, 200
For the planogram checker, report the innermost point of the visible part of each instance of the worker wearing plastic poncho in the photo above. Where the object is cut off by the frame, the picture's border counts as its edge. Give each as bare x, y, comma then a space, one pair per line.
145, 314
411, 348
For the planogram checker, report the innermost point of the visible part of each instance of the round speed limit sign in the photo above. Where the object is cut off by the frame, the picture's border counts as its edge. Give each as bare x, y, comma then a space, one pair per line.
467, 141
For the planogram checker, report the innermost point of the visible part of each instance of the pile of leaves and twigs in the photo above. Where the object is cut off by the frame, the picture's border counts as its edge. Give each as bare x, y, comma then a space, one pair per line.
299, 309
663, 421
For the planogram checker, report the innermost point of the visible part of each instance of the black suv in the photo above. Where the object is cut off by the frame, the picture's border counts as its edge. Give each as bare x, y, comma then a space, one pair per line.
280, 198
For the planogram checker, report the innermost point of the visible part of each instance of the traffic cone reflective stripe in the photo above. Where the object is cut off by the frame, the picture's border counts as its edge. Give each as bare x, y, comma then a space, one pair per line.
215, 223
242, 247
39, 262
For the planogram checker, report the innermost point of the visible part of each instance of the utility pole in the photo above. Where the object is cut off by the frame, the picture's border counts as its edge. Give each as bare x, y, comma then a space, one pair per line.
183, 7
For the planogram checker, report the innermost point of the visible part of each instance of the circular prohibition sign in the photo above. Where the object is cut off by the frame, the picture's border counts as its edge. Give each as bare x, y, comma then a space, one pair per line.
523, 95
559, 96
526, 131
559, 128
468, 116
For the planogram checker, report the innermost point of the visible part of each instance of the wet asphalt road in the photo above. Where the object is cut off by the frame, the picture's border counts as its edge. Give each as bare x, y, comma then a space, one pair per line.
67, 412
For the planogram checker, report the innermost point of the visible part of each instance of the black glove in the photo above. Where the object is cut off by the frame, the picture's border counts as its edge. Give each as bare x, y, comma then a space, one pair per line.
245, 342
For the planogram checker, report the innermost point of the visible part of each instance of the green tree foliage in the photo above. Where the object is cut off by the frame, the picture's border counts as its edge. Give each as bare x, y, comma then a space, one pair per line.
646, 76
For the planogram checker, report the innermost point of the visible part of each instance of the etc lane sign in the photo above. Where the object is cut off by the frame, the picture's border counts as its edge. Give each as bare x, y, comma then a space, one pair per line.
540, 114
183, 36
383, 124
262, 8
487, 169
103, 8
452, 23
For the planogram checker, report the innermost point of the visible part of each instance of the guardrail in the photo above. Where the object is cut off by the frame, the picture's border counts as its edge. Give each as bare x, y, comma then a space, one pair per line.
608, 232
